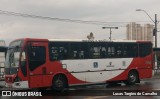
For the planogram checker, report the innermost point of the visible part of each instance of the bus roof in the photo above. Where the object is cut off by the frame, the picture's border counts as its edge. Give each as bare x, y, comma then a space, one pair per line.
80, 40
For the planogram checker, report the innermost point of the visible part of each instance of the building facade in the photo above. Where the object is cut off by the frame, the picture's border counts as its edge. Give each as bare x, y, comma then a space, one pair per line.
138, 32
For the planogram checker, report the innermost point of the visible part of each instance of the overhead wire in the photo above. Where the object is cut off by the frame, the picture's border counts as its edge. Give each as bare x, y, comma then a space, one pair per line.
120, 24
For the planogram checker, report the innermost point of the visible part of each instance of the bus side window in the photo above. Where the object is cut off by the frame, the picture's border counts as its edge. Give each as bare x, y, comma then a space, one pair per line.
145, 49
75, 49
119, 50
96, 53
75, 54
97, 50
103, 52
58, 51
84, 50
130, 50
81, 54
111, 51
78, 54
62, 53
54, 53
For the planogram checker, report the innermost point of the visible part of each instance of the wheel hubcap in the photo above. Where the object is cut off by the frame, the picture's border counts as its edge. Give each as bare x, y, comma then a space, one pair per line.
59, 83
132, 78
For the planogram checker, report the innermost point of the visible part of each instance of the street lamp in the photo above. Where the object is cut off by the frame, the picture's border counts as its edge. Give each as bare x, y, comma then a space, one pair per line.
155, 28
110, 30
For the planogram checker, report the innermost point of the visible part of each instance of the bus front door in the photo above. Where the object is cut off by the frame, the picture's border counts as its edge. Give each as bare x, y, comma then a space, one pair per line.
37, 63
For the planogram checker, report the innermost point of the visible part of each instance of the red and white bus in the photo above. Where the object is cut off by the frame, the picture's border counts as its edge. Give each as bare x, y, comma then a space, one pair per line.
44, 63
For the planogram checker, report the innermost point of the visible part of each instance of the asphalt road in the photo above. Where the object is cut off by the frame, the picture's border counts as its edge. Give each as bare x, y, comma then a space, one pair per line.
147, 89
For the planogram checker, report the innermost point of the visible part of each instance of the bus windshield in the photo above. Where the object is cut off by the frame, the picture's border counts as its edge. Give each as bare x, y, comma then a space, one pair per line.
12, 58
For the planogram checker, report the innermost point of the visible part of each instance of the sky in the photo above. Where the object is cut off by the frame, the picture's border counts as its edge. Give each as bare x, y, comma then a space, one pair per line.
116, 13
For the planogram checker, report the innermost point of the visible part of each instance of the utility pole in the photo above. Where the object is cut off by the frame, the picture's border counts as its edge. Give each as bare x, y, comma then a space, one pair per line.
110, 38
155, 24
155, 34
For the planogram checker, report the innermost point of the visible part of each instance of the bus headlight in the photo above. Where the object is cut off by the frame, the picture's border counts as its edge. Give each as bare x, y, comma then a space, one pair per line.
17, 84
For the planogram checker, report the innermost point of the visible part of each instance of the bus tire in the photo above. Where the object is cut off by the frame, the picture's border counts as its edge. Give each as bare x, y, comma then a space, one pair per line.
59, 83
132, 78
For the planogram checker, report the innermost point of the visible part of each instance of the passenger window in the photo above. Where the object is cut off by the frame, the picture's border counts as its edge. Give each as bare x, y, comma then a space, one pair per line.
111, 51
76, 51
97, 50
58, 51
37, 56
114, 50
130, 50
144, 49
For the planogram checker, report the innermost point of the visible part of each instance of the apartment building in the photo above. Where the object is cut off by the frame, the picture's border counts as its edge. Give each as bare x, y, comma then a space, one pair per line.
138, 32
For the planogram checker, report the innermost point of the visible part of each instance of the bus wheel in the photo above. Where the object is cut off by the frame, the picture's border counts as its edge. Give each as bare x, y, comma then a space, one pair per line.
132, 78
59, 83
